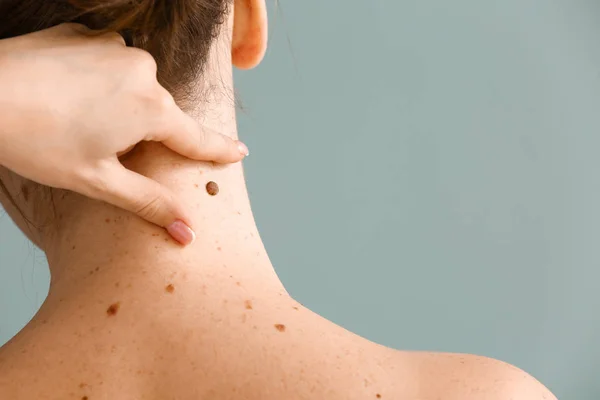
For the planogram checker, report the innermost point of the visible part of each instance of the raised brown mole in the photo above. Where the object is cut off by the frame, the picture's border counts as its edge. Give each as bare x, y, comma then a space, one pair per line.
280, 327
378, 395
113, 309
170, 288
212, 188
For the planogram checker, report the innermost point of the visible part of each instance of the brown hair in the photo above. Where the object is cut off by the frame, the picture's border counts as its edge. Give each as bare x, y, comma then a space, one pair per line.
177, 33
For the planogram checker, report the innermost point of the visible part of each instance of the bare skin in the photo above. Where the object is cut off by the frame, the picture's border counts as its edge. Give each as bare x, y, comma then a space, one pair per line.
133, 315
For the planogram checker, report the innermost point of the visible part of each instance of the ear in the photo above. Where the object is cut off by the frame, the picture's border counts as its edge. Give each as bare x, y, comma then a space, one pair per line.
250, 33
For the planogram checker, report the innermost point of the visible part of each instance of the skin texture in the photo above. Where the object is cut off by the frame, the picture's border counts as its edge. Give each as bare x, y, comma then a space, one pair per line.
133, 315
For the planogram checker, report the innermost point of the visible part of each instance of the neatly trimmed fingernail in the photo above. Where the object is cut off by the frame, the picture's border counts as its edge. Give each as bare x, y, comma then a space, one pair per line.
243, 149
181, 232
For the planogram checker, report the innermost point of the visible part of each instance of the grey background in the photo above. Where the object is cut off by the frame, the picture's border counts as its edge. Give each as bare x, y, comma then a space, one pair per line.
424, 173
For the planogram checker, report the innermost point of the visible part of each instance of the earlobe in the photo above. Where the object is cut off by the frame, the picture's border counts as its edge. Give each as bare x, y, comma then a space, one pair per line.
250, 33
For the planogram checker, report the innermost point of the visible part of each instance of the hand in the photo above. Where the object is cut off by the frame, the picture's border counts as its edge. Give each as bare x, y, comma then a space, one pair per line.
72, 101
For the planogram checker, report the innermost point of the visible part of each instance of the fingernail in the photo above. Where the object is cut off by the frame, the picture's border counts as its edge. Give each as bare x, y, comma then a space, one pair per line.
243, 149
181, 232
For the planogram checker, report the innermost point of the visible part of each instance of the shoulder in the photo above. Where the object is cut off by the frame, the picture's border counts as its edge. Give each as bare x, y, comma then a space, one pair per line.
465, 377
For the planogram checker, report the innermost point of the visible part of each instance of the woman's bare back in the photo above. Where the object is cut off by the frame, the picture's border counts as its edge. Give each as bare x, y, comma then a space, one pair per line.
189, 332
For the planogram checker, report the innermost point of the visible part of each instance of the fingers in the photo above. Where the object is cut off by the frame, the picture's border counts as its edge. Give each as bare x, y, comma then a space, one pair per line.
116, 185
185, 136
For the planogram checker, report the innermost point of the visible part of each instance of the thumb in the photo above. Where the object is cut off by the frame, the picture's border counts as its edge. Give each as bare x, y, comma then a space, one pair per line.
144, 197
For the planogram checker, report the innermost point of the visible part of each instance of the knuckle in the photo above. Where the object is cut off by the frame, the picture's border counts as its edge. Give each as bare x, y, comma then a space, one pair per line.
143, 62
92, 181
149, 208
113, 37
73, 27
164, 100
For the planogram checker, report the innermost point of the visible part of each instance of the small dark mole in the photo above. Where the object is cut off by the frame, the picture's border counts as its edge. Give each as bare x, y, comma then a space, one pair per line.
248, 305
73, 247
212, 188
170, 288
295, 308
92, 272
107, 220
84, 398
45, 321
378, 395
97, 269
113, 309
25, 191
280, 327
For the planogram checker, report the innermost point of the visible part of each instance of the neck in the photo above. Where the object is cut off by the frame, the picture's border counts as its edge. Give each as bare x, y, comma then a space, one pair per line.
93, 238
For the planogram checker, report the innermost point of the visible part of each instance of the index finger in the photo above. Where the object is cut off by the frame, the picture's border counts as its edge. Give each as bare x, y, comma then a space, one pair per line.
184, 135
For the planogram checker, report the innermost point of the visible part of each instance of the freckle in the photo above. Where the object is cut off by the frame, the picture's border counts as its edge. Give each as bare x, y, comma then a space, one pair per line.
248, 305
212, 188
238, 284
170, 288
378, 395
25, 191
117, 284
239, 213
73, 247
45, 321
280, 327
107, 220
196, 185
295, 308
92, 272
129, 285
219, 248
82, 385
97, 269
84, 398
113, 309
166, 239
155, 234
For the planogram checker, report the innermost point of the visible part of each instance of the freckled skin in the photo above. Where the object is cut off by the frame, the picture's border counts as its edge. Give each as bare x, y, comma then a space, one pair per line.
212, 188
113, 309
